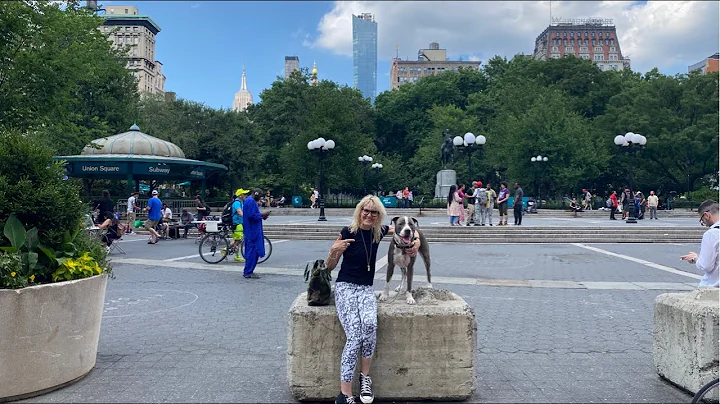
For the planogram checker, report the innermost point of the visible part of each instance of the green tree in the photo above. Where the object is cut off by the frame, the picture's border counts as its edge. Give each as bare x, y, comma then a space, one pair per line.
60, 78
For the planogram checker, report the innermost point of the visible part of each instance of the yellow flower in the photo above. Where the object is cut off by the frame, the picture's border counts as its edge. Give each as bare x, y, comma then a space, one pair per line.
32, 278
12, 274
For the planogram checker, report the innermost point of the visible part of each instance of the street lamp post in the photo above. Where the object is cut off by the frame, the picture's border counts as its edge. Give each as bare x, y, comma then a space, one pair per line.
538, 159
631, 143
377, 167
365, 161
468, 141
321, 147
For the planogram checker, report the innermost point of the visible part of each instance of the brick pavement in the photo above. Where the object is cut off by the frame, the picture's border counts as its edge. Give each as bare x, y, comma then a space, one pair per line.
182, 335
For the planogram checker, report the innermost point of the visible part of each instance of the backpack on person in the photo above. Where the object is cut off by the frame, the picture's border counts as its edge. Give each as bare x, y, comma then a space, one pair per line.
227, 213
609, 203
319, 278
482, 197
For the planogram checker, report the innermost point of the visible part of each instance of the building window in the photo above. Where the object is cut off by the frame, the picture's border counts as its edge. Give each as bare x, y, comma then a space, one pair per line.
607, 34
402, 70
599, 57
127, 40
612, 42
135, 51
597, 49
586, 35
135, 29
607, 42
564, 34
613, 49
554, 48
565, 42
613, 57
579, 34
572, 34
614, 67
592, 34
583, 49
556, 56
569, 49
126, 11
586, 56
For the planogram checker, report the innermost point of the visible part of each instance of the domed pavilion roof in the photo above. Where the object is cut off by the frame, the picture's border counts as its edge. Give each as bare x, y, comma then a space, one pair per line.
134, 142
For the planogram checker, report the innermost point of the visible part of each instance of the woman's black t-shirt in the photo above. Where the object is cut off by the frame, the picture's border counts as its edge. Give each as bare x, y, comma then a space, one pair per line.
354, 267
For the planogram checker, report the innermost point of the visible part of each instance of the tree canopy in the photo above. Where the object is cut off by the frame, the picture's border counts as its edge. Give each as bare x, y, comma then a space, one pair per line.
62, 81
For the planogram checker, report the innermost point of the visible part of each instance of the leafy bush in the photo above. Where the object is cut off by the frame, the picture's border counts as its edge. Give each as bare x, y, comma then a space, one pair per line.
32, 187
704, 194
26, 260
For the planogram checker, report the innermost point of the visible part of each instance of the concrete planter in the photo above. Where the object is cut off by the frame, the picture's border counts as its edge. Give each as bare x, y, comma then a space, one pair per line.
49, 335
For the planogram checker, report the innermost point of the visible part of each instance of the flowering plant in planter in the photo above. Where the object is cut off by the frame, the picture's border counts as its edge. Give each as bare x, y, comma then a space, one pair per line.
26, 259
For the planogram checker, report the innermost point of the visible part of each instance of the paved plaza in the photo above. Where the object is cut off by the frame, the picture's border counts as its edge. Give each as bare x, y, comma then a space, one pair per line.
556, 322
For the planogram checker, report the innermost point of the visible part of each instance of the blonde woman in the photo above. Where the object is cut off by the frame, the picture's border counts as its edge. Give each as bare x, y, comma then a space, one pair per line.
355, 299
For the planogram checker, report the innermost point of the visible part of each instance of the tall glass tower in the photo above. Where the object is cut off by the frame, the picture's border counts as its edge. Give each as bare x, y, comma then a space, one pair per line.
365, 55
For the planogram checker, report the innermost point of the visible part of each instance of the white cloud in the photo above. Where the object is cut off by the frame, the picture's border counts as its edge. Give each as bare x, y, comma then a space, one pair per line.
659, 33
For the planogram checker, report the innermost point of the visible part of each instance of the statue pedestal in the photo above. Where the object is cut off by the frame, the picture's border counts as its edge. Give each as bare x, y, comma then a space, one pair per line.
445, 179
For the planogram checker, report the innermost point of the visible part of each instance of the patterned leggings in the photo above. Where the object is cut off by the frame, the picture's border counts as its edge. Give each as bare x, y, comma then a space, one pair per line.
357, 310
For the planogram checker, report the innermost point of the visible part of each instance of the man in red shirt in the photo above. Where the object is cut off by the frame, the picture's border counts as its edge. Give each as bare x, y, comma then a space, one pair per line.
614, 203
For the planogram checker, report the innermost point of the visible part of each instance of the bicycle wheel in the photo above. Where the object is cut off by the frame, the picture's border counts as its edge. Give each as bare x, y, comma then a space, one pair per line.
708, 393
268, 250
212, 246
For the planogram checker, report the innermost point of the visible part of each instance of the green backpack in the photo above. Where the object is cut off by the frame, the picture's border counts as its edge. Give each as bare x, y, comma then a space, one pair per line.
318, 292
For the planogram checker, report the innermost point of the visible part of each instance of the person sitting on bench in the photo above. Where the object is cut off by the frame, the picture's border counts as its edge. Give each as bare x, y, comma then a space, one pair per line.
574, 207
186, 221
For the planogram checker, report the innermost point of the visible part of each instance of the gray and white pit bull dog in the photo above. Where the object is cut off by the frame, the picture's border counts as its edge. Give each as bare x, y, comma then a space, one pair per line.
405, 227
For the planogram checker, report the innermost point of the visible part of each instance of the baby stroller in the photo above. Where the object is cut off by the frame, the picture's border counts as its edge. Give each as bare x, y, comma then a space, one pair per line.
531, 206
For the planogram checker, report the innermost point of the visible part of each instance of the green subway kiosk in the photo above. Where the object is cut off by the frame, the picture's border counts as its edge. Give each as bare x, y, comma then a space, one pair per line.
133, 156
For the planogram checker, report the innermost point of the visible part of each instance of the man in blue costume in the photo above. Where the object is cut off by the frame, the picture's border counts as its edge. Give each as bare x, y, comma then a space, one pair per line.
254, 245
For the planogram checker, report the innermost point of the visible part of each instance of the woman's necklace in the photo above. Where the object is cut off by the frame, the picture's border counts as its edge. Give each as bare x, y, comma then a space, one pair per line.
367, 254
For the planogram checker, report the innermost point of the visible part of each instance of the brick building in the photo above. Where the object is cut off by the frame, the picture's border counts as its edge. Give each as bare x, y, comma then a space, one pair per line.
707, 65
591, 39
430, 61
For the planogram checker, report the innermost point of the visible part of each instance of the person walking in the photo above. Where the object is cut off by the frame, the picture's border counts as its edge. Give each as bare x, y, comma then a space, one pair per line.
707, 261
254, 242
154, 210
202, 209
502, 203
131, 215
517, 205
490, 205
625, 200
652, 202
613, 204
355, 300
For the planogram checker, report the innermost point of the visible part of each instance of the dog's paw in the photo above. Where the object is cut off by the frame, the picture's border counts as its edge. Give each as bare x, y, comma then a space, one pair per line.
382, 297
429, 286
409, 298
399, 287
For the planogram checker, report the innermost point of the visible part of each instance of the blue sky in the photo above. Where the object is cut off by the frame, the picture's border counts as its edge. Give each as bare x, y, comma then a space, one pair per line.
204, 44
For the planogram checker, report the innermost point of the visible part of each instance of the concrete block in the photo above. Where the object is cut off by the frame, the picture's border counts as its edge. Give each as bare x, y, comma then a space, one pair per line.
49, 335
425, 351
685, 337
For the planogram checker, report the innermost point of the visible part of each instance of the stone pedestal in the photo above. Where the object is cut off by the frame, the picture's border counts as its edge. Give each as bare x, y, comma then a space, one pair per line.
685, 347
425, 351
444, 180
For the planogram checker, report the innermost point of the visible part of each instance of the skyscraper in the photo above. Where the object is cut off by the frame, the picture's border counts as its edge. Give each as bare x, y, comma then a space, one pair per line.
125, 26
243, 98
292, 63
365, 55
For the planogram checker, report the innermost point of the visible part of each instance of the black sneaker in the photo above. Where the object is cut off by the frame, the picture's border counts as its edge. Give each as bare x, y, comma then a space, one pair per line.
252, 276
366, 393
343, 399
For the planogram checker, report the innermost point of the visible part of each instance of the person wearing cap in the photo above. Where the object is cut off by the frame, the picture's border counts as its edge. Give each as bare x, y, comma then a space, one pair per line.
237, 219
154, 210
707, 261
131, 206
254, 243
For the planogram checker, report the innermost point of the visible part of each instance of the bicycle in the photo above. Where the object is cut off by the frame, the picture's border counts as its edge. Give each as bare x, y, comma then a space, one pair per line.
215, 246
711, 388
